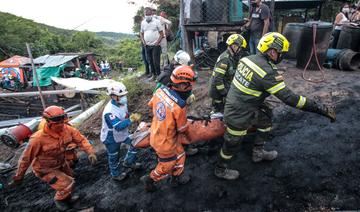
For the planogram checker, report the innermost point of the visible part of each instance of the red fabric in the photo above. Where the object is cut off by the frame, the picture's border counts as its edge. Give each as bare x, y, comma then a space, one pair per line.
197, 131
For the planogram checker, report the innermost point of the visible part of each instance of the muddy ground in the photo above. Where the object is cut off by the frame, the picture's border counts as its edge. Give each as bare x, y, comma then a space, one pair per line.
318, 167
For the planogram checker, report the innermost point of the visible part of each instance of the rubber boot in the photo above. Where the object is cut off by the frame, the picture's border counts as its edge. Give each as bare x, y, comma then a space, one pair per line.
148, 183
120, 177
62, 205
221, 171
259, 154
180, 180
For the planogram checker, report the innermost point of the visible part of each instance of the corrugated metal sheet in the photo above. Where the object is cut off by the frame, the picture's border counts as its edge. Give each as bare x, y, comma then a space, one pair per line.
54, 60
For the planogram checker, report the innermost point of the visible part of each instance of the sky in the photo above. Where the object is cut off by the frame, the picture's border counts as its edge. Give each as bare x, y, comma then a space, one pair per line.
94, 15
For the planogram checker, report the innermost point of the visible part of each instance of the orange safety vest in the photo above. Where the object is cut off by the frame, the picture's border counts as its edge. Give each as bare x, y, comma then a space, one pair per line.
169, 119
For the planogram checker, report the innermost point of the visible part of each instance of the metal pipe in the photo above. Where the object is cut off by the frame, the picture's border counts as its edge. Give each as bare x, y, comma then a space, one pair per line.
35, 93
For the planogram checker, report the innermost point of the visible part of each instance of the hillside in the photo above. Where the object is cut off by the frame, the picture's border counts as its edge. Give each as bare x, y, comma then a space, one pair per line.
114, 37
15, 31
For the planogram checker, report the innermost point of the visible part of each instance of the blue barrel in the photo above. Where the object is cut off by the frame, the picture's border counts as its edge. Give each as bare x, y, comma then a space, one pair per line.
235, 11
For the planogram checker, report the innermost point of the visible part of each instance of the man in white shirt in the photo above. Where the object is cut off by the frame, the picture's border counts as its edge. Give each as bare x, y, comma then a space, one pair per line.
151, 34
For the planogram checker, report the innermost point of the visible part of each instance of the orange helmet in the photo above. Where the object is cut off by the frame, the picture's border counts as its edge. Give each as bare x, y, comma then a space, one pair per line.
183, 74
55, 114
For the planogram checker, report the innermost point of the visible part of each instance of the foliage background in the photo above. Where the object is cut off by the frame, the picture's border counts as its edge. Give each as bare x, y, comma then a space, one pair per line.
16, 31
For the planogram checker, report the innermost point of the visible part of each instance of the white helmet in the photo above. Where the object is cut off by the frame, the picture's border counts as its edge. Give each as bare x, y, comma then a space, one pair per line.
182, 58
117, 89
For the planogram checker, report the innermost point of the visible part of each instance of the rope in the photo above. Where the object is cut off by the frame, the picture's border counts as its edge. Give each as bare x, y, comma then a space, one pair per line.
313, 52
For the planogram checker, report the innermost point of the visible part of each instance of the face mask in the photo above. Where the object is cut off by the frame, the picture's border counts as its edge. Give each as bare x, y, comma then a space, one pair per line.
345, 10
123, 100
148, 18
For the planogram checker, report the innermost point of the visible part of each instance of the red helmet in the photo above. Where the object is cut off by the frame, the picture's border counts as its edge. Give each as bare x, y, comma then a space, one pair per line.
54, 114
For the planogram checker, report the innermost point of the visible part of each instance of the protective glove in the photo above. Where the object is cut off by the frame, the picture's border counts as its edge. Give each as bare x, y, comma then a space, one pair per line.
329, 111
93, 159
190, 99
135, 117
16, 180
319, 108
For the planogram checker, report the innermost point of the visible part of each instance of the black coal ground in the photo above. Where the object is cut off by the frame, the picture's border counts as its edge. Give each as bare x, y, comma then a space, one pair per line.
318, 167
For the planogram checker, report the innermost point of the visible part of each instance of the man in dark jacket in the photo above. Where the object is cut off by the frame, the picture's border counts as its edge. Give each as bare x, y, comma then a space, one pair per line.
224, 71
255, 79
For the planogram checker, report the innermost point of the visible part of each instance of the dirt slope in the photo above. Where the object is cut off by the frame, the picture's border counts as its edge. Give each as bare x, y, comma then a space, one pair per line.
318, 166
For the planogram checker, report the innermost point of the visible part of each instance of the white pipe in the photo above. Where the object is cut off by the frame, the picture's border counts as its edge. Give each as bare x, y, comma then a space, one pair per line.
85, 115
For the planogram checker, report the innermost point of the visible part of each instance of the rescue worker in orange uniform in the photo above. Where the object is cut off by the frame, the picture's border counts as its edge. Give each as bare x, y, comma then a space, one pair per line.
46, 153
169, 109
70, 151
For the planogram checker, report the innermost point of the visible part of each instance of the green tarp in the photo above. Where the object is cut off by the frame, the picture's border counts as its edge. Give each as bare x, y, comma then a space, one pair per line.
45, 74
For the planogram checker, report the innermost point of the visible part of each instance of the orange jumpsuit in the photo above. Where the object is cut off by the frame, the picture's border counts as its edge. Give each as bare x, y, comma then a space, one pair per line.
46, 153
70, 151
169, 120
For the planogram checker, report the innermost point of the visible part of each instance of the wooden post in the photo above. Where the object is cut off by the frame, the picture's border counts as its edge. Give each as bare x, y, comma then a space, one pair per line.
272, 10
189, 45
35, 75
182, 27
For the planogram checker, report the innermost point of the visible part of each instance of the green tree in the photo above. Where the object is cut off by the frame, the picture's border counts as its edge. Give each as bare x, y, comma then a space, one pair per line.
128, 51
84, 41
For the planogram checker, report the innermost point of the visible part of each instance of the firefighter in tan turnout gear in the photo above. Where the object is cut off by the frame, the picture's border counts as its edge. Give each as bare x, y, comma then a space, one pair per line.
255, 79
224, 70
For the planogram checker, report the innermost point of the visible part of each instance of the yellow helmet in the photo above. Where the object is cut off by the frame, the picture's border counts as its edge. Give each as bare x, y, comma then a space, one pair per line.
236, 39
273, 40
